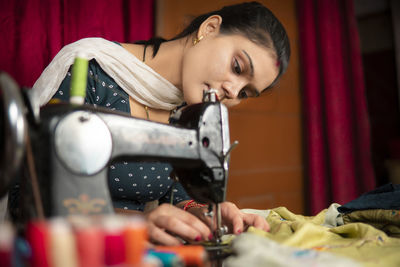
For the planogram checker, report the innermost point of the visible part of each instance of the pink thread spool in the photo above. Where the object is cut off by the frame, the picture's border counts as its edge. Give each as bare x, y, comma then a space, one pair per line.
114, 247
89, 240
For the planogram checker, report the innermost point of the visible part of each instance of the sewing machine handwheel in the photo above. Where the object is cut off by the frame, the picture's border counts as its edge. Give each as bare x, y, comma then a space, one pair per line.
12, 131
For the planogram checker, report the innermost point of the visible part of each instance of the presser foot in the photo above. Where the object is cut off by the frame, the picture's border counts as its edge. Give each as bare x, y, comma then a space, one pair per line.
220, 229
217, 252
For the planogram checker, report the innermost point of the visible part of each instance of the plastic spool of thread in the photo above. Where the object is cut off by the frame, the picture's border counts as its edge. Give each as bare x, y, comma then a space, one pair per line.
168, 259
192, 255
37, 235
62, 241
114, 246
7, 236
79, 80
89, 241
135, 237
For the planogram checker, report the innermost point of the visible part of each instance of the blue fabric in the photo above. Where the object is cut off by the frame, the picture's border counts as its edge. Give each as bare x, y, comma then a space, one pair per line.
131, 184
384, 197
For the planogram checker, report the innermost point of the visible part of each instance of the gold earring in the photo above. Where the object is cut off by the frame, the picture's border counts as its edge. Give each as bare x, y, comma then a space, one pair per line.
196, 40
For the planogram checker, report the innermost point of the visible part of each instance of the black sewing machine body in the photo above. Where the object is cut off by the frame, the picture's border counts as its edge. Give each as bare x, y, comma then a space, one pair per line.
74, 145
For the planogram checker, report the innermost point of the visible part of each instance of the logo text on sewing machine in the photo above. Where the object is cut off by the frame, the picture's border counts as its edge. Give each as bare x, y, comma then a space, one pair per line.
84, 205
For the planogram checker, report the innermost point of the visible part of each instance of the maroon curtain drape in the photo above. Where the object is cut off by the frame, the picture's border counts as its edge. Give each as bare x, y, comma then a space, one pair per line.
337, 129
33, 31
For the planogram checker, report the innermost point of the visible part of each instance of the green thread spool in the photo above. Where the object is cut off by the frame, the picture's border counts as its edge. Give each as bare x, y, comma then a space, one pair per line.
79, 80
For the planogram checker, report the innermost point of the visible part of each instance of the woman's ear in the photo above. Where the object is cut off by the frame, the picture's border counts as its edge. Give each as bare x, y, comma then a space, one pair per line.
210, 26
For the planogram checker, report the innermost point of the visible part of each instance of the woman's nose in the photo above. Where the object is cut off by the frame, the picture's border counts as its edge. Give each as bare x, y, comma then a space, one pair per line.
230, 90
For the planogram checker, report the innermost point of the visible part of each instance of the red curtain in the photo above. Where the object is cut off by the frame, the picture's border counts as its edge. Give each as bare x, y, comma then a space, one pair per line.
337, 129
33, 31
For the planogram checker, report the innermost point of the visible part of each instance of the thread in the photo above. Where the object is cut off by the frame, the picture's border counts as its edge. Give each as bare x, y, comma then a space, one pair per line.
168, 259
37, 236
192, 255
62, 241
135, 237
114, 247
89, 241
7, 236
79, 80
82, 241
22, 252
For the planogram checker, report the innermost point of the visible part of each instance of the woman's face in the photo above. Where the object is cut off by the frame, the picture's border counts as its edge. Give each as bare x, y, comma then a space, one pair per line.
232, 64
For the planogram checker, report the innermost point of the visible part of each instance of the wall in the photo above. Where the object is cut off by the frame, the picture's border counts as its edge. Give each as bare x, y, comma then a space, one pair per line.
266, 169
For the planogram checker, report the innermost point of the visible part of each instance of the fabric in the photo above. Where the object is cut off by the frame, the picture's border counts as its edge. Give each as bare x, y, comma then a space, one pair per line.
262, 213
337, 128
383, 197
379, 208
333, 217
131, 184
360, 242
386, 220
35, 30
136, 78
256, 251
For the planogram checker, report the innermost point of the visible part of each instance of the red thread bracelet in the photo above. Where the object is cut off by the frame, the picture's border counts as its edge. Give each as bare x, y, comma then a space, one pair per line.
192, 204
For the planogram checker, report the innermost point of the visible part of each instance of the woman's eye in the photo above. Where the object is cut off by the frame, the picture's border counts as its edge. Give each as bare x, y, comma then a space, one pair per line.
243, 94
236, 67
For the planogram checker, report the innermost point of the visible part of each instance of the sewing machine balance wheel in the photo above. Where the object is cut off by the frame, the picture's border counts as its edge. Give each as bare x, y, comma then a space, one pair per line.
13, 131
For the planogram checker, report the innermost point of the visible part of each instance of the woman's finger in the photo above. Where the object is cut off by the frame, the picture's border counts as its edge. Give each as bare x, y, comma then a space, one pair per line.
256, 221
194, 222
200, 212
237, 224
177, 226
179, 222
159, 236
232, 216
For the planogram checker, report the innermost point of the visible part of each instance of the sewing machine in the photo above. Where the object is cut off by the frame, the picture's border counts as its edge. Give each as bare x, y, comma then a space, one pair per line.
73, 145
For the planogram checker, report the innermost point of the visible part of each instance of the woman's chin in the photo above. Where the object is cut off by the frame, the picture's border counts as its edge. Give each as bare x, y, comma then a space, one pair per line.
193, 100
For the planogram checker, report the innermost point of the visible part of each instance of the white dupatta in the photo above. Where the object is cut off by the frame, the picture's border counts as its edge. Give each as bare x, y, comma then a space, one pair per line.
136, 78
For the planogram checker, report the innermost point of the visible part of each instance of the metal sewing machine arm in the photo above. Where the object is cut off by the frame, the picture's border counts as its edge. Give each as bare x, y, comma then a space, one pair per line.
75, 145
195, 147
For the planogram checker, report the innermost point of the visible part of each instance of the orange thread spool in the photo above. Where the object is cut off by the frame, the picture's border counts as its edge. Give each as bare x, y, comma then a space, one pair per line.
192, 255
135, 237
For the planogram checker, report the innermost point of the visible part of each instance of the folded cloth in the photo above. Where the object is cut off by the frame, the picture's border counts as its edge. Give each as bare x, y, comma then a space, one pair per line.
386, 220
384, 197
333, 217
360, 242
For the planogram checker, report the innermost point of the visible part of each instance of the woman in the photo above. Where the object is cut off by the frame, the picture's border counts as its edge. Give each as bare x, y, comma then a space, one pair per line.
240, 50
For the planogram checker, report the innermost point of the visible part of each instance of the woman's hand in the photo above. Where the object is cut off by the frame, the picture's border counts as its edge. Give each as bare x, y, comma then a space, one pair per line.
167, 221
236, 220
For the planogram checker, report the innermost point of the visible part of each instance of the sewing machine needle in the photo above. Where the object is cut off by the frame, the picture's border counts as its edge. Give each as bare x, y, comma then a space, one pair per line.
219, 226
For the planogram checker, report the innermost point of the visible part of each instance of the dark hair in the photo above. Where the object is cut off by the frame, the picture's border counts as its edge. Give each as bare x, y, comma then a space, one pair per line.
250, 19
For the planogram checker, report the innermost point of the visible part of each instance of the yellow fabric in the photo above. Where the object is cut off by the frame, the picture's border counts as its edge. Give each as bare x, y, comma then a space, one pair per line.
358, 241
385, 220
